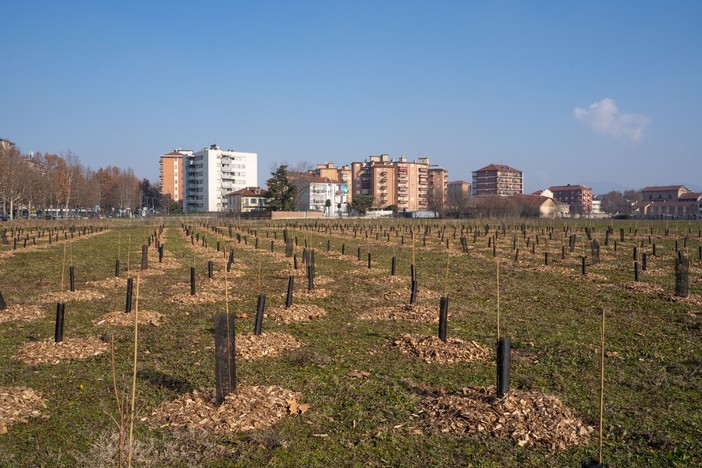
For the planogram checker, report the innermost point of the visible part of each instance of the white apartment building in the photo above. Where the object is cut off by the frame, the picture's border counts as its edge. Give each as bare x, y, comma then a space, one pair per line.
313, 193
212, 173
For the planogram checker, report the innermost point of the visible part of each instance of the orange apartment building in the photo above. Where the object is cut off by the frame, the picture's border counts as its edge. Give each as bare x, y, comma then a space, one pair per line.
577, 197
402, 183
171, 177
497, 179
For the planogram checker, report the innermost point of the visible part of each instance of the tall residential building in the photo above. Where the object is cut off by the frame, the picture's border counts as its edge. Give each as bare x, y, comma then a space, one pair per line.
497, 179
457, 190
339, 174
212, 173
437, 189
577, 197
172, 176
402, 183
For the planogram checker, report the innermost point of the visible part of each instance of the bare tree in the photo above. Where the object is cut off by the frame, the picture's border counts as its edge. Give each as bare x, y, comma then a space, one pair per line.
13, 177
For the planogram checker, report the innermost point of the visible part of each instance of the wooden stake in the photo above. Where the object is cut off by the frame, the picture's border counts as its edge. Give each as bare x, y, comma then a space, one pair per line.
134, 376
602, 363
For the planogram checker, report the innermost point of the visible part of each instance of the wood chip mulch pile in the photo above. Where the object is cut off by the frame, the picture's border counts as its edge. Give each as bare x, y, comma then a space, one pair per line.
112, 283
432, 349
17, 404
250, 346
121, 319
296, 313
404, 294
413, 313
250, 408
302, 292
200, 297
69, 296
49, 352
528, 418
21, 313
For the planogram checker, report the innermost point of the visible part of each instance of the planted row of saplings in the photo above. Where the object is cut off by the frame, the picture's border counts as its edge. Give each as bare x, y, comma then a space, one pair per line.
21, 238
492, 241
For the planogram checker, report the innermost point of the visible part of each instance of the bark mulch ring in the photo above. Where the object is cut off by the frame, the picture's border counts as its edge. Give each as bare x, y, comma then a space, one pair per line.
432, 349
413, 313
112, 283
296, 313
301, 292
50, 352
404, 294
21, 313
200, 297
250, 408
121, 319
528, 418
250, 346
71, 296
17, 404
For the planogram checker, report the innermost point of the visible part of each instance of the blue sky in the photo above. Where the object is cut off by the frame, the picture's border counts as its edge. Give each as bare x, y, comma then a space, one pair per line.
606, 94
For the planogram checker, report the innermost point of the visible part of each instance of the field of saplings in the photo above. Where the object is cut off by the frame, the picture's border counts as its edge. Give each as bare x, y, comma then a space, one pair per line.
218, 342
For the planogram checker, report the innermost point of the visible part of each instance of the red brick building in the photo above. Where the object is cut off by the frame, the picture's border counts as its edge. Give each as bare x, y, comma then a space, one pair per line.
497, 179
577, 197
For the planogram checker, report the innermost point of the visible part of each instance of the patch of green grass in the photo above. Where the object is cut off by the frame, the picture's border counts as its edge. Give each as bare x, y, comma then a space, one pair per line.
653, 381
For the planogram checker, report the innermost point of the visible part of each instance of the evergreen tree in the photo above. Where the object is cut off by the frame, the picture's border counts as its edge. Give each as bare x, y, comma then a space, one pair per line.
281, 191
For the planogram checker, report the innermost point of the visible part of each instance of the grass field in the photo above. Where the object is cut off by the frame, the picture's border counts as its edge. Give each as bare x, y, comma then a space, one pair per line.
365, 407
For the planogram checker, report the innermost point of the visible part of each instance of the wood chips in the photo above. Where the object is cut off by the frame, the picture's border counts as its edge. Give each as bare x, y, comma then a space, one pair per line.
121, 319
17, 404
49, 352
69, 296
113, 283
248, 409
250, 346
412, 313
528, 418
21, 313
432, 349
404, 294
304, 293
200, 297
296, 313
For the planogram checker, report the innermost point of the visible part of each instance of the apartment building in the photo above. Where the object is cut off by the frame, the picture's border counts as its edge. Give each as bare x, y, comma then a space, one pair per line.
212, 173
457, 190
497, 179
437, 189
330, 171
321, 194
402, 183
171, 176
577, 197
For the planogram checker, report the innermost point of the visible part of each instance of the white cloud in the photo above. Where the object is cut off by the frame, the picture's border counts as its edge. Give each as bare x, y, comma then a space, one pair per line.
604, 117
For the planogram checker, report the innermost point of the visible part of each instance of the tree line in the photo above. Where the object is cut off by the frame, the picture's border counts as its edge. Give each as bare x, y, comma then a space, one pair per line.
48, 181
